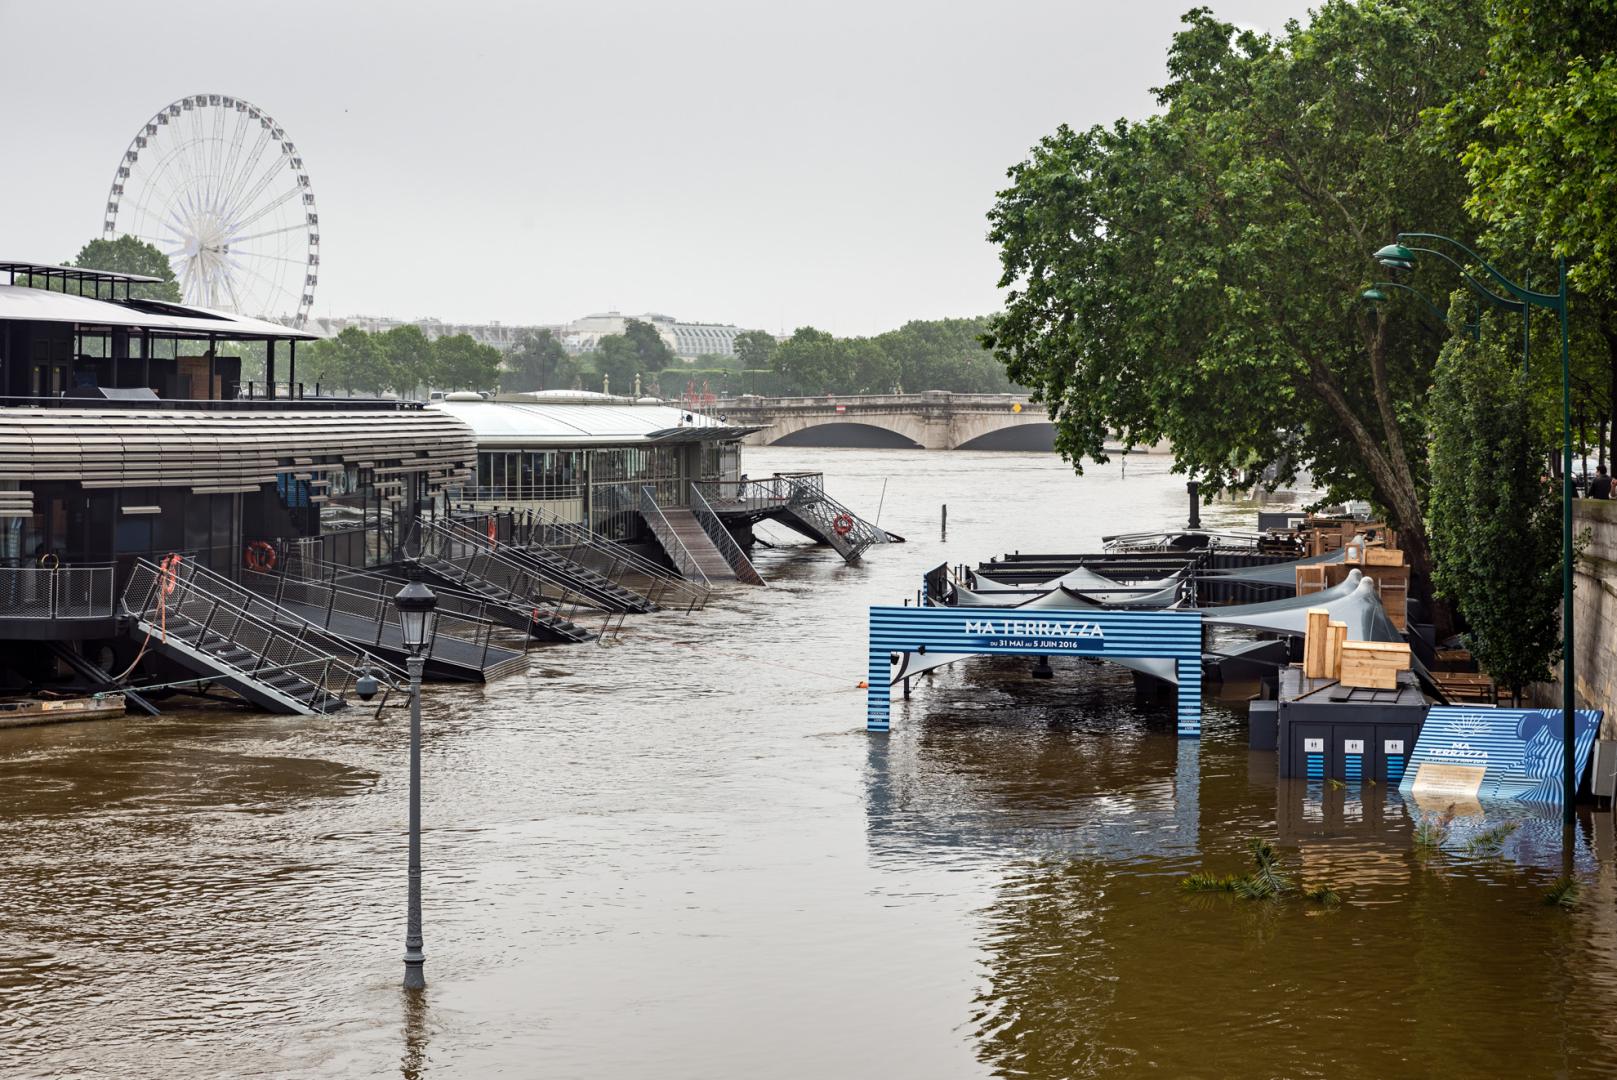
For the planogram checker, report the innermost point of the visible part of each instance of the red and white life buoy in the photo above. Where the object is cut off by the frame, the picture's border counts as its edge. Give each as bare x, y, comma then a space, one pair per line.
843, 524
260, 556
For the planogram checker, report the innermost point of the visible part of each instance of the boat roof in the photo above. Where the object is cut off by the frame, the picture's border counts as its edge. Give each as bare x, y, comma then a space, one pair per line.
535, 422
73, 273
22, 304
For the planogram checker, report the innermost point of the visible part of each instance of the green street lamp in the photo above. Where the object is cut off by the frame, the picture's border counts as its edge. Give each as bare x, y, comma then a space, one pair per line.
1401, 256
1376, 294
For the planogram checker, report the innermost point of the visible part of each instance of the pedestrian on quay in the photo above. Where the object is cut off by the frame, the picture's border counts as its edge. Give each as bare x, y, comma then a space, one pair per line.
1600, 486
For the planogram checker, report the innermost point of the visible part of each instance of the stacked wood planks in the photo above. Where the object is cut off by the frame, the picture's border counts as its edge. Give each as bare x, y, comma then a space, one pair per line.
1322, 645
1373, 664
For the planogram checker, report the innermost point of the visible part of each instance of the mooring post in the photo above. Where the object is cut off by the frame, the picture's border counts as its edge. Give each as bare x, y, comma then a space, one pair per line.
906, 688
1042, 669
944, 534
1195, 489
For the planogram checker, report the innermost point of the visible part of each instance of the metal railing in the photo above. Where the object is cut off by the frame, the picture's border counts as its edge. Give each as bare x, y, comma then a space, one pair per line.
467, 558
599, 573
369, 603
745, 572
677, 552
571, 540
802, 494
180, 598
59, 592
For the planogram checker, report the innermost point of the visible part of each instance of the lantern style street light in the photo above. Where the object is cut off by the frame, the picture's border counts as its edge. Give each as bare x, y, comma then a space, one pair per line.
1401, 256
416, 604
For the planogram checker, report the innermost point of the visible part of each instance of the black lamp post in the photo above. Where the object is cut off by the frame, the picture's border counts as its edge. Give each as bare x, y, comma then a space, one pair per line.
416, 604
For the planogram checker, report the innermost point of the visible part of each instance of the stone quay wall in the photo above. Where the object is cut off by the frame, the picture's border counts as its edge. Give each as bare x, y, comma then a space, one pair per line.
1594, 607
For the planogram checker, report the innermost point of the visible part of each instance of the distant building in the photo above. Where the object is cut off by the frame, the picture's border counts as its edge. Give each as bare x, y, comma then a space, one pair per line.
688, 340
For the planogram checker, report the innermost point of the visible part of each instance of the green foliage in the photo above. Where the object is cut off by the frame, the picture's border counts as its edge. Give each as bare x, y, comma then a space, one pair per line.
1495, 516
460, 363
125, 255
1195, 275
539, 362
944, 354
1491, 841
1266, 881
755, 349
617, 358
409, 357
1535, 129
353, 361
1563, 894
812, 362
1431, 833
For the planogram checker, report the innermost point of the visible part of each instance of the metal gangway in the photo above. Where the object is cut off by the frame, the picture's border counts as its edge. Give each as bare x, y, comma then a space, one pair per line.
800, 502
230, 635
541, 528
459, 559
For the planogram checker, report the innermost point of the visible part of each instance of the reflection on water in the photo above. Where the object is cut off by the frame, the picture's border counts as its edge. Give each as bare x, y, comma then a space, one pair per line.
683, 857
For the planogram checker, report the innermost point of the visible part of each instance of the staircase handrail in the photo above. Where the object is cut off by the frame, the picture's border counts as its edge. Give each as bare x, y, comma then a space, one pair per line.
744, 570
475, 557
304, 644
677, 551
376, 608
811, 494
575, 534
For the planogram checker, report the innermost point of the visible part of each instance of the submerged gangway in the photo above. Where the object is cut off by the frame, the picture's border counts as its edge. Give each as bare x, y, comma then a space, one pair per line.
603, 588
455, 558
800, 502
540, 528
361, 610
698, 544
230, 635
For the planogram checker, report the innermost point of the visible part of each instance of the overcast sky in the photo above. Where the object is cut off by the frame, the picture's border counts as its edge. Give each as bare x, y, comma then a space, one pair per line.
766, 164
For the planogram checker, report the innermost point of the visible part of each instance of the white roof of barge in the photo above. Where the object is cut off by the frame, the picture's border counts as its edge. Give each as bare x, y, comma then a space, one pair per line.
18, 302
573, 418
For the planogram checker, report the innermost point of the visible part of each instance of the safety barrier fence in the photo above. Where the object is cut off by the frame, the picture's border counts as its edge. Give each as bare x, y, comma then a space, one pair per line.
56, 592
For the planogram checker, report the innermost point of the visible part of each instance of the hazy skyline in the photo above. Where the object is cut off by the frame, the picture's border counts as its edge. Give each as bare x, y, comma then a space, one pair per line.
527, 163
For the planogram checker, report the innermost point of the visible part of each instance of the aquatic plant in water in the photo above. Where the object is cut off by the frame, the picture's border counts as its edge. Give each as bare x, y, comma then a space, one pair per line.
1563, 894
1490, 842
1266, 882
1431, 833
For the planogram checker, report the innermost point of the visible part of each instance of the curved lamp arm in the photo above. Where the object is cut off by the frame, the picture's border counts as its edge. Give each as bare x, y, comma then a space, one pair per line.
1553, 301
1474, 328
1476, 286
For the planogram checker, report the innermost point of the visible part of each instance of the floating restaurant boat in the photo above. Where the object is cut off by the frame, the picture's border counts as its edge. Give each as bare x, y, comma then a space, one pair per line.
146, 490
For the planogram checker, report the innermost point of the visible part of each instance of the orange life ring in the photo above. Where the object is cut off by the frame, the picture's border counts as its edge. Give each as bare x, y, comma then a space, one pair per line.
843, 524
260, 556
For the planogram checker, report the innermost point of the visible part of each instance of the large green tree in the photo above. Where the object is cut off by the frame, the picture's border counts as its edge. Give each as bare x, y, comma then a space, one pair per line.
755, 349
539, 362
1495, 516
353, 361
1537, 130
812, 361
1195, 276
619, 360
127, 255
460, 363
944, 354
410, 358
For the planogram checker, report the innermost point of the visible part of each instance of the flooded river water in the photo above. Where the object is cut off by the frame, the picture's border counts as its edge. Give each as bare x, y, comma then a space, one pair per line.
682, 856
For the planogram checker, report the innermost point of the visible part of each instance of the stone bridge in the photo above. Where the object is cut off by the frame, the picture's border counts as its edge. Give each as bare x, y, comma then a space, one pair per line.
933, 420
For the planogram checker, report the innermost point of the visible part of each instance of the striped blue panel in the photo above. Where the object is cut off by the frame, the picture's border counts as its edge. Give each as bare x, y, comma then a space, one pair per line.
1353, 767
1518, 750
1315, 766
1395, 768
1172, 635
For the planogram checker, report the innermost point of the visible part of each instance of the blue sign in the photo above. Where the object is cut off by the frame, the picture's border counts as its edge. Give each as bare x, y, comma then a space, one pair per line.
1479, 755
1168, 635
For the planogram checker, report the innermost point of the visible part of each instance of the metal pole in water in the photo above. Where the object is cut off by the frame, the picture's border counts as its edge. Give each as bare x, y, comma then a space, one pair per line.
414, 958
882, 502
945, 523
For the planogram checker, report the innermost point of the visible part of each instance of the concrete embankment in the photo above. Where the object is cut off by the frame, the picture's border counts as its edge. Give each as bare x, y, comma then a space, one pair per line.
1595, 612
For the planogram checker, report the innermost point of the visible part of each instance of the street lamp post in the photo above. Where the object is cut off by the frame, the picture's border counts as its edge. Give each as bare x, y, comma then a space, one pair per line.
416, 604
1401, 256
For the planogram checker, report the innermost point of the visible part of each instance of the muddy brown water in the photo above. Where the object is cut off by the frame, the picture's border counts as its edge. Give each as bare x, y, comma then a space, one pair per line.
682, 856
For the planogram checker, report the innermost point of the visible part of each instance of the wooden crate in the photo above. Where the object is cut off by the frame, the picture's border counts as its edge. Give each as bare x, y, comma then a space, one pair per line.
1311, 579
1382, 556
1333, 654
1317, 644
1369, 674
1394, 653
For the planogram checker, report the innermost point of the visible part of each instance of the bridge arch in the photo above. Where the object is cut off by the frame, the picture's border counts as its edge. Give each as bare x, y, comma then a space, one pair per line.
852, 433
1035, 436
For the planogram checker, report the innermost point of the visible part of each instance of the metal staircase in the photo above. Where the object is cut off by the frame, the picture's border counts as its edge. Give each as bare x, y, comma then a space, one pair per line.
798, 501
540, 528
228, 635
693, 547
495, 533
476, 570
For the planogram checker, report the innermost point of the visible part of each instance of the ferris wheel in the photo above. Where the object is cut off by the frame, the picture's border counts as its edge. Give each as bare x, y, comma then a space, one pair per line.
216, 185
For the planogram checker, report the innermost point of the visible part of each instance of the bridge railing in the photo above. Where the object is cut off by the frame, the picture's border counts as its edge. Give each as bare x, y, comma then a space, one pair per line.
1005, 402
